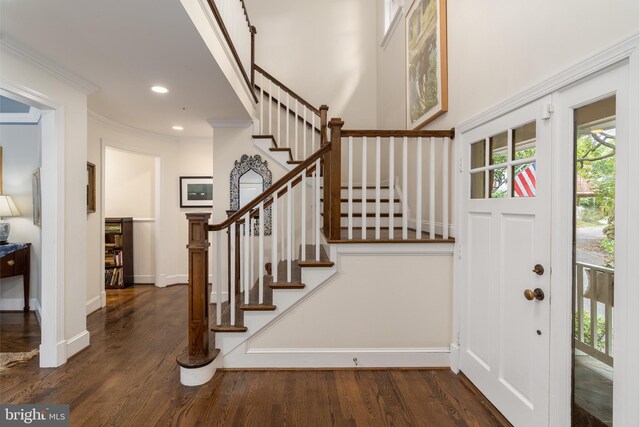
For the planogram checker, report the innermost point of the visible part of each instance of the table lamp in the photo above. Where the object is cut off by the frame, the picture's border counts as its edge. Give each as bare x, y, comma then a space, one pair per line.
7, 208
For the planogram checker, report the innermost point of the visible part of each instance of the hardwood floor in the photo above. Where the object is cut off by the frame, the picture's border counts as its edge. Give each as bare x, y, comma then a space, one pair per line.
19, 331
129, 377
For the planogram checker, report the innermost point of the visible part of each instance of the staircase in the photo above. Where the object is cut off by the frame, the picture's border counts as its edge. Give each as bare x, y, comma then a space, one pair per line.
343, 186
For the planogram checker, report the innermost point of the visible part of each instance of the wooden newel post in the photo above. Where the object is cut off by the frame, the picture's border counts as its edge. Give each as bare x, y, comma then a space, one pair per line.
324, 112
198, 353
335, 178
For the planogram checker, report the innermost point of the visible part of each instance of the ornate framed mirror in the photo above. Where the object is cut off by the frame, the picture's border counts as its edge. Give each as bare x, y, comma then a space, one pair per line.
249, 177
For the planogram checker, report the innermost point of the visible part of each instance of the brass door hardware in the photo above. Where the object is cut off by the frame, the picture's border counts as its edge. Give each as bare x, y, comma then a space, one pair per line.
537, 293
538, 269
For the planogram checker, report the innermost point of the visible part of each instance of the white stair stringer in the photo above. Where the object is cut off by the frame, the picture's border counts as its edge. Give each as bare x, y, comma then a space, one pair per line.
280, 157
284, 300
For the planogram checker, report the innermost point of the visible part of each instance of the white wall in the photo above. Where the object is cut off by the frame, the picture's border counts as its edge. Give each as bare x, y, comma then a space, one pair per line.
497, 49
21, 150
322, 50
376, 302
71, 139
130, 187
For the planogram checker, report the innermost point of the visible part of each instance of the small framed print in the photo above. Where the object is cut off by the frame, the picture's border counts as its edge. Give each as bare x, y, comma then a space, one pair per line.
196, 191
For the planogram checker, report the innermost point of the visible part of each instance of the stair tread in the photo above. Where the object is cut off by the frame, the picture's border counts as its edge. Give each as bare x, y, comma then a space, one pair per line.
282, 283
310, 258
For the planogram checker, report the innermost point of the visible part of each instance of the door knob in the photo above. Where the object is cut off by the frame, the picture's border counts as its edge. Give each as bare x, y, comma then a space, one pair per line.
537, 293
538, 269
10, 262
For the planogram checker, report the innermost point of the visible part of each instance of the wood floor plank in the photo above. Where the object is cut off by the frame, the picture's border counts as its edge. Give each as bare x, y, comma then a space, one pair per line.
129, 377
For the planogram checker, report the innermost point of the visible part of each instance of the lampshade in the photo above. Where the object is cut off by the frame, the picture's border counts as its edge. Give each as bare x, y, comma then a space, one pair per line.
7, 207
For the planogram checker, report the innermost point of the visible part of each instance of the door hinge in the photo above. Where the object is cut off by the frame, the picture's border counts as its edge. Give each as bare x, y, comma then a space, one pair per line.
547, 110
459, 251
460, 164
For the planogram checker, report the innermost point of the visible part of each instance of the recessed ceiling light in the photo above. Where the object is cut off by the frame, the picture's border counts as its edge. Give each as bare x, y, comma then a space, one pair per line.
178, 128
159, 89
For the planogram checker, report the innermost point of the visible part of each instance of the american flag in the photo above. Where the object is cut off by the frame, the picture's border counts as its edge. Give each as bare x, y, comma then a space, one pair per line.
524, 183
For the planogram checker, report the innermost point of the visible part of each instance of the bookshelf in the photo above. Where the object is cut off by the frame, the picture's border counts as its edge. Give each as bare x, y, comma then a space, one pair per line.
118, 253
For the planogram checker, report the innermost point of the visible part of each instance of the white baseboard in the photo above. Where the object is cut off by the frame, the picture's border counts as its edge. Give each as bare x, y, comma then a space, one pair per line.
339, 358
455, 358
16, 304
94, 304
103, 298
144, 278
39, 312
213, 298
425, 226
77, 343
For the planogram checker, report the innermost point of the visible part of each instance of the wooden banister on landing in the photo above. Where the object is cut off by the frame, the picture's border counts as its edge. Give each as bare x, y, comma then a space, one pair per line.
400, 133
234, 51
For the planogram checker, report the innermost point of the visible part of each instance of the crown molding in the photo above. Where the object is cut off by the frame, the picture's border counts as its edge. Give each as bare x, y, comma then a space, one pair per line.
7, 44
126, 128
222, 123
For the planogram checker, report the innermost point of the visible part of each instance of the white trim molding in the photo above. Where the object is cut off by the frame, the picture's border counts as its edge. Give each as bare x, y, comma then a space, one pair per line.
391, 30
78, 343
587, 67
45, 64
94, 304
340, 358
30, 118
16, 304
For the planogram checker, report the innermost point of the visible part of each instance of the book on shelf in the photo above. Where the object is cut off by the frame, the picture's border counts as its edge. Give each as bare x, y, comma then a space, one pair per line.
112, 227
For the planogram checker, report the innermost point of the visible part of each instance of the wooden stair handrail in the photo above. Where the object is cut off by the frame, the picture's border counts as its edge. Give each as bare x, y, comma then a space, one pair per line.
227, 37
286, 89
275, 187
400, 133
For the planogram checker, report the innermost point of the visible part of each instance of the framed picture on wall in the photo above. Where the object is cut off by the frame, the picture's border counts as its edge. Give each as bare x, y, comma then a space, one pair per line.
426, 57
37, 197
196, 191
91, 187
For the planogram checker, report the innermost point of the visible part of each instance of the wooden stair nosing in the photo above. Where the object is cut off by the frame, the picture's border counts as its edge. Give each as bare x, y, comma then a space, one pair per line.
325, 261
257, 307
229, 328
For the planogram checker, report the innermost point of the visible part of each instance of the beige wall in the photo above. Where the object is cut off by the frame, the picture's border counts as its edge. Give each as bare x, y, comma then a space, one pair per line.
72, 127
323, 50
497, 49
376, 302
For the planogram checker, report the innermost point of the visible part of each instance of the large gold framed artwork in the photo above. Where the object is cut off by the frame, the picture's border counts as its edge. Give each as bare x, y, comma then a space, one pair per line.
426, 56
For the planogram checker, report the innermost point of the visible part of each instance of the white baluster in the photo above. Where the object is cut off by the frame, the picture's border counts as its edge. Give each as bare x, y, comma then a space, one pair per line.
247, 259
405, 193
283, 227
350, 191
390, 209
270, 107
378, 167
289, 221
219, 277
274, 237
303, 214
261, 104
608, 329
364, 188
295, 125
445, 188
432, 189
261, 253
288, 119
313, 132
232, 297
418, 189
279, 108
304, 130
317, 209
252, 277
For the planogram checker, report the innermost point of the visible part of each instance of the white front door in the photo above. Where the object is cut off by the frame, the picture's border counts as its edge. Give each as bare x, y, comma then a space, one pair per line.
506, 227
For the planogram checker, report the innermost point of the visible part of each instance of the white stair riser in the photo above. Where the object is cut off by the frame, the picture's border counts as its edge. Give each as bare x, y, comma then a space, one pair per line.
370, 193
281, 157
370, 222
371, 207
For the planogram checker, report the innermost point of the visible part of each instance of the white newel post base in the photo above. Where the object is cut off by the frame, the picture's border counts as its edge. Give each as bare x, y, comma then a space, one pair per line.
198, 376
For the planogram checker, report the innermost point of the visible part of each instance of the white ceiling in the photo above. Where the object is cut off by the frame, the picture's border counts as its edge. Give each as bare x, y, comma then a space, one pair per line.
124, 47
